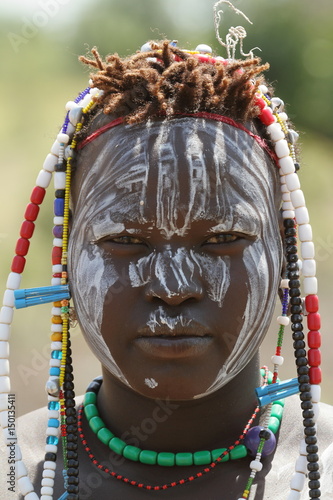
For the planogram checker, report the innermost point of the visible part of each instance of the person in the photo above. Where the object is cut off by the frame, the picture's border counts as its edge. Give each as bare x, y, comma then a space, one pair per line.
171, 239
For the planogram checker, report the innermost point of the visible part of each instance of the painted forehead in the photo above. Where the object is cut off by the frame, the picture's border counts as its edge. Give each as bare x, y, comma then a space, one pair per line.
192, 169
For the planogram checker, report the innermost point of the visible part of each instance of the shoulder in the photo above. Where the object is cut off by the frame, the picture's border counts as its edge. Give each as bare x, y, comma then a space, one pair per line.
31, 433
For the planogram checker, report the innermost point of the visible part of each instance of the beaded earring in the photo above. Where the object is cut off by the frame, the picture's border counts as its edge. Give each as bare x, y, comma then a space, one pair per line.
62, 418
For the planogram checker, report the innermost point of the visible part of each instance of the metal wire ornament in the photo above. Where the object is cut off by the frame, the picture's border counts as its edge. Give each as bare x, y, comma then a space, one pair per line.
235, 35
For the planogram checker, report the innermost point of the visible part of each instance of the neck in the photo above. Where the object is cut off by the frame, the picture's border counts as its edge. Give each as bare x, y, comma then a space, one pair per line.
163, 425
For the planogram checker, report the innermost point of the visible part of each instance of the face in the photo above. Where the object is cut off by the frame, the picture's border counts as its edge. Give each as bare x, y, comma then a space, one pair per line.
175, 253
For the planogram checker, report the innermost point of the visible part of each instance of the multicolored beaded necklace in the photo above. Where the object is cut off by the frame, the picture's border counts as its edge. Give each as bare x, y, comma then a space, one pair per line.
259, 440
62, 417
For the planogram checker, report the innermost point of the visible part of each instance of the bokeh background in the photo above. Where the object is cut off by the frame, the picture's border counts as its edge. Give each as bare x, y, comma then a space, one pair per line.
40, 42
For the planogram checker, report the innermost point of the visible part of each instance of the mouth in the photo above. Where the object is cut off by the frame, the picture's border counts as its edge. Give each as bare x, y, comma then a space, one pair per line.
178, 342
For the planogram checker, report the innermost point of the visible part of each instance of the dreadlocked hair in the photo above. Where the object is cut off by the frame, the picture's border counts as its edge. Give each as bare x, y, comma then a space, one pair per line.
166, 81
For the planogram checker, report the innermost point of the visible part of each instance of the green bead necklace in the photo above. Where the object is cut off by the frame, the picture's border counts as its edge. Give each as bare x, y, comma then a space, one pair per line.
163, 458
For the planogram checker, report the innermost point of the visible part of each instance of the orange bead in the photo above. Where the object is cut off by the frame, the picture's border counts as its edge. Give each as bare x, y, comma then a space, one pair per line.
56, 337
56, 320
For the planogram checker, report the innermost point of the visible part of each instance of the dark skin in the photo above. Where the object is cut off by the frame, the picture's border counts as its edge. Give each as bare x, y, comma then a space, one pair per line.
137, 413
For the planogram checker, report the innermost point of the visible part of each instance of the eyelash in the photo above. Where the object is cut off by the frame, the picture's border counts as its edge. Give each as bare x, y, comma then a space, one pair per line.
221, 238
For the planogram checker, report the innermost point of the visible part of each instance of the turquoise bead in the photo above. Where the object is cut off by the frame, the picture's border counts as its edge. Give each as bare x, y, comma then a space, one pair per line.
54, 371
53, 405
53, 422
52, 440
56, 354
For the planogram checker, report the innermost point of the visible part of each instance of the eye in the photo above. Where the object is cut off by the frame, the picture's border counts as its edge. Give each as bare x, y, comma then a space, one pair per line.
125, 240
222, 238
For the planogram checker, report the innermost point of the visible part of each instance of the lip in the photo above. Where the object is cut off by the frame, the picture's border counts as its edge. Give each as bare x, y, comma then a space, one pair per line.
174, 346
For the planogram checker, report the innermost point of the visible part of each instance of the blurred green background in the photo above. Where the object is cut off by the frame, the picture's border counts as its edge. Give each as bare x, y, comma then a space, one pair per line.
39, 46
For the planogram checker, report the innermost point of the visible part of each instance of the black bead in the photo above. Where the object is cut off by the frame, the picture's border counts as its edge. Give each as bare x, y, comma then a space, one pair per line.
291, 249
313, 466
314, 484
71, 438
297, 166
68, 386
308, 422
303, 379
291, 240
311, 439
71, 455
59, 193
295, 284
290, 231
292, 266
73, 480
314, 475
296, 318
69, 394
312, 457
303, 370
296, 327
300, 353
305, 396
314, 493
289, 223
295, 301
52, 457
73, 471
263, 434
70, 412
298, 335
305, 387
60, 167
299, 344
71, 420
72, 464
68, 369
71, 429
309, 431
70, 403
302, 362
94, 387
294, 292
308, 414
71, 446
292, 257
296, 309
72, 488
293, 275
312, 448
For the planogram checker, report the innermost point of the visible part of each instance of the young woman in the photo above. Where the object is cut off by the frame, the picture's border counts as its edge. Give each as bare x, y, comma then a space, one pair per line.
174, 253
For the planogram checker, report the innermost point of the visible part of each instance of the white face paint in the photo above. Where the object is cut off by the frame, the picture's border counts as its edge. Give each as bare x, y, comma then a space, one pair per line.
229, 188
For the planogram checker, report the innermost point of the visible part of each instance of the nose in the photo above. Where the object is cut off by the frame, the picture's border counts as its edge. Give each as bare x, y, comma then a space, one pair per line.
175, 278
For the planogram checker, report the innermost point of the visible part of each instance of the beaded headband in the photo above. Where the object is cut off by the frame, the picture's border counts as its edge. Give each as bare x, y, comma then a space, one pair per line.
60, 383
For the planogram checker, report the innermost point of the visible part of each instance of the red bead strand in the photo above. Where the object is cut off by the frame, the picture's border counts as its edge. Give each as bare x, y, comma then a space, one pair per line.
314, 338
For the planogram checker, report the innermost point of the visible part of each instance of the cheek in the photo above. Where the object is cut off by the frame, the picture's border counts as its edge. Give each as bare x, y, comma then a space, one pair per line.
215, 271
91, 278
